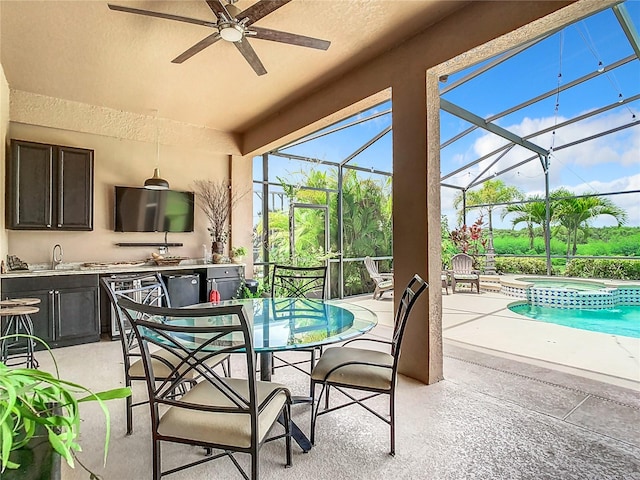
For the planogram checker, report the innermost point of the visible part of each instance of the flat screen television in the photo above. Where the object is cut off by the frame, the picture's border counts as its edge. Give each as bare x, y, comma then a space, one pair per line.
145, 210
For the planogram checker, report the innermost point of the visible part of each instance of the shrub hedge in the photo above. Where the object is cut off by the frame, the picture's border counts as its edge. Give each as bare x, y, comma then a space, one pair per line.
615, 269
584, 268
531, 266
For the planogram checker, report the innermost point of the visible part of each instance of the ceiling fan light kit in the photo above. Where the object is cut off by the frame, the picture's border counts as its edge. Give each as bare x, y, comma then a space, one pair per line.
231, 32
232, 26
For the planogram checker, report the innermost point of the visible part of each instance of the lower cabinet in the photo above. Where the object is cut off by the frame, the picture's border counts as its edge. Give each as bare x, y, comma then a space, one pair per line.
228, 280
68, 307
71, 309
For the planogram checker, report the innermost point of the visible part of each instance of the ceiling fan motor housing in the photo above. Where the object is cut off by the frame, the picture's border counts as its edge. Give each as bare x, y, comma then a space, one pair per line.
230, 31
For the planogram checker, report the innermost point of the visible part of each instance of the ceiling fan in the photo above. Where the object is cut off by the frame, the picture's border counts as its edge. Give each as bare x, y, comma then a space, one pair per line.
235, 26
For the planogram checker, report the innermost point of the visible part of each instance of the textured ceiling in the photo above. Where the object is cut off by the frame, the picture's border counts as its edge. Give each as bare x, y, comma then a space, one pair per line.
85, 52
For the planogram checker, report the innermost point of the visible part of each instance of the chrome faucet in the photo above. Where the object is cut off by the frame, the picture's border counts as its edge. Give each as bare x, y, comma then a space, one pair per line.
56, 259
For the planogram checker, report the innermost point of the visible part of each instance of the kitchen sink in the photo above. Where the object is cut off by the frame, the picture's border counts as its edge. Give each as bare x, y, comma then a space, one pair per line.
59, 268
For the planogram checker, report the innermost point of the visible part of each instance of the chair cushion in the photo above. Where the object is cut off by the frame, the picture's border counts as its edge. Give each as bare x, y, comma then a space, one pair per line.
162, 370
355, 375
232, 429
465, 276
385, 284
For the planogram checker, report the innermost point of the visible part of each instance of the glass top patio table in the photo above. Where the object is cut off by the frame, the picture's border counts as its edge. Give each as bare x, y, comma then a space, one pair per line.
299, 323
281, 324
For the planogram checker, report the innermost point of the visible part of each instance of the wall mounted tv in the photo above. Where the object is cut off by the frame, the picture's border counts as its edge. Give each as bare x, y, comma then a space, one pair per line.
145, 210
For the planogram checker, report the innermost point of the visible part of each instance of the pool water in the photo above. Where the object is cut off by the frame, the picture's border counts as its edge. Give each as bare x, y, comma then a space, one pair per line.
562, 284
623, 320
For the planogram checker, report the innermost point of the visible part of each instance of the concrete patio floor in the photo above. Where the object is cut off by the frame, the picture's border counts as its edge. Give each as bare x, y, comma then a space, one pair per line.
483, 323
583, 378
498, 414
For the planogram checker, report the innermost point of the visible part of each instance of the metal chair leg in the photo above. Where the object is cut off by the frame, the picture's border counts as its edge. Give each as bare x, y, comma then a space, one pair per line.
129, 408
392, 411
157, 464
315, 407
287, 428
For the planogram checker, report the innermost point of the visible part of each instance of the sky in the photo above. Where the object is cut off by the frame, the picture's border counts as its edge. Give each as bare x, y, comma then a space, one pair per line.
606, 164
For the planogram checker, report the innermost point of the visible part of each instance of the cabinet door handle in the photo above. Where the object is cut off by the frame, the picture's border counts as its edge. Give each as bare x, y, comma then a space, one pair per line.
56, 323
61, 163
52, 306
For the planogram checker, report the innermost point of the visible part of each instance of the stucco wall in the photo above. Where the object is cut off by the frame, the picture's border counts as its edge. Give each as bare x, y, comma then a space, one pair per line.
125, 154
4, 126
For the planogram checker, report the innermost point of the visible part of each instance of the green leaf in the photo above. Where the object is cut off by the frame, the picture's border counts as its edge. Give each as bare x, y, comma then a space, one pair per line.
113, 394
5, 447
60, 447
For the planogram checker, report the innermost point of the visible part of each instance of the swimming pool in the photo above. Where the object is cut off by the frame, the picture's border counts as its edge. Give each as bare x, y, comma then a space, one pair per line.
622, 320
571, 293
564, 284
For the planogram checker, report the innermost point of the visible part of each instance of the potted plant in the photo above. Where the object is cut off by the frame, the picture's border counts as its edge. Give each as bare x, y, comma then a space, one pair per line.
38, 407
237, 254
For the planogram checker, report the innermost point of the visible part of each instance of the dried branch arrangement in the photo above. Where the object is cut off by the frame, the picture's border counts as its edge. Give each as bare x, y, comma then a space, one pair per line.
216, 200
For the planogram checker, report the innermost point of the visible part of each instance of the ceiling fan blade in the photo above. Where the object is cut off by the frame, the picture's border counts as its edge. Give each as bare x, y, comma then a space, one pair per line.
291, 38
218, 9
250, 56
198, 47
258, 10
149, 13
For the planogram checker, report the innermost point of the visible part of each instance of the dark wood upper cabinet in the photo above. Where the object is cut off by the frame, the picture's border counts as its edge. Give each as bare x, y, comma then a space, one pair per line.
49, 187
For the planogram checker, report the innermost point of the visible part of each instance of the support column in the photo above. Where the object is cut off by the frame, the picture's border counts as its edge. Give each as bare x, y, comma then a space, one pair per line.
416, 221
241, 174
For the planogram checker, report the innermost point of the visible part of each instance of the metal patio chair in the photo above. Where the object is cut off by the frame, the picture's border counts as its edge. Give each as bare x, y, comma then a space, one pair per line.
299, 282
373, 371
147, 289
234, 415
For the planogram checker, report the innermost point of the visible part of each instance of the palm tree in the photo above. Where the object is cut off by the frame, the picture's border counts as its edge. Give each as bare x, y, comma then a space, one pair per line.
492, 192
576, 213
367, 226
534, 212
531, 213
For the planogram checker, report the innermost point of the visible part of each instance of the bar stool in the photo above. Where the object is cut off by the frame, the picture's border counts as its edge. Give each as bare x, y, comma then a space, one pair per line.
15, 319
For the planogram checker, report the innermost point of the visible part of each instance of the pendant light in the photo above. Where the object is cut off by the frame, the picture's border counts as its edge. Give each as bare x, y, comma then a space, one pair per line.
156, 182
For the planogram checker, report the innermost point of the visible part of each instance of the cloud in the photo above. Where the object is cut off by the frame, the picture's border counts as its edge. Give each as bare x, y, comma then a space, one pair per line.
584, 167
622, 146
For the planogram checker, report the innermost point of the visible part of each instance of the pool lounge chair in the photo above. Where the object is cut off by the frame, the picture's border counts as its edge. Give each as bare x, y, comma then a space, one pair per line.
383, 281
462, 272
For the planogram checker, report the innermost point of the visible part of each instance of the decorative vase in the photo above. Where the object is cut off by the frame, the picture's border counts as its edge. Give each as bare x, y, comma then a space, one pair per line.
217, 248
238, 259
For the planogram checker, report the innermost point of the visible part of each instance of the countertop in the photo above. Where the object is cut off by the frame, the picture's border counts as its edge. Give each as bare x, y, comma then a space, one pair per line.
105, 268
